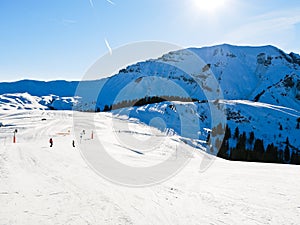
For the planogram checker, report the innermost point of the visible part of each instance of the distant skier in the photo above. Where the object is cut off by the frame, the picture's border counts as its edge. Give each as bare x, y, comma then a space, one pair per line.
73, 144
51, 142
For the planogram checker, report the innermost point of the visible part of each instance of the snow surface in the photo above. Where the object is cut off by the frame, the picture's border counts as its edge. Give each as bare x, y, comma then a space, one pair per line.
43, 185
194, 120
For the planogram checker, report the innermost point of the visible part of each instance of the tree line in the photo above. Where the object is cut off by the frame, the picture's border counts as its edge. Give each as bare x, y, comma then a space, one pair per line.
251, 149
143, 101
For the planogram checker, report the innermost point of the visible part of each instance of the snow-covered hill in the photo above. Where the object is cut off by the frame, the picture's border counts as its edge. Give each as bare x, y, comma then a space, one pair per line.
257, 91
58, 95
43, 185
29, 102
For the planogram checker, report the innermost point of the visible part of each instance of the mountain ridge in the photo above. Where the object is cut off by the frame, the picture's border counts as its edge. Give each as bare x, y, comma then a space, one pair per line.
258, 91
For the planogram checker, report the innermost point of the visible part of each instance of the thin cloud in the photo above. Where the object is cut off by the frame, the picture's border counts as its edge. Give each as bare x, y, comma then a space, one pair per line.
111, 2
92, 3
68, 21
266, 25
108, 46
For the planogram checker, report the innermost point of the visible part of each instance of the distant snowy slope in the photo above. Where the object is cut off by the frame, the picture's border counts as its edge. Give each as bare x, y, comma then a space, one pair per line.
20, 101
60, 95
39, 88
273, 124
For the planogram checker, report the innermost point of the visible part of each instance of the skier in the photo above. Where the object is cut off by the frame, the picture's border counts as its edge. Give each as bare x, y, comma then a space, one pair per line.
51, 142
73, 144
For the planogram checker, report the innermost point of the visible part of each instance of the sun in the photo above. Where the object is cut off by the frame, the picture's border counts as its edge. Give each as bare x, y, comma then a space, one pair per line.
209, 5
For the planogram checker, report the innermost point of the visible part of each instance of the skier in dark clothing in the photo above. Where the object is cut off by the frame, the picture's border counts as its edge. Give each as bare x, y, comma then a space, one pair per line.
73, 144
51, 142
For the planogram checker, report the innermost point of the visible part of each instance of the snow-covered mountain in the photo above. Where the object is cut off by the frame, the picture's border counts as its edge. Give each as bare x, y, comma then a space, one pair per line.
58, 95
265, 74
258, 91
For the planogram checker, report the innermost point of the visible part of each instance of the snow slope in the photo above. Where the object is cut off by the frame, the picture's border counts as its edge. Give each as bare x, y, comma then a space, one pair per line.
29, 102
271, 123
40, 185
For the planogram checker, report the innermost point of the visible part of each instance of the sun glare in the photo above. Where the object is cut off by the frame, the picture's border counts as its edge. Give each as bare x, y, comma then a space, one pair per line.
209, 5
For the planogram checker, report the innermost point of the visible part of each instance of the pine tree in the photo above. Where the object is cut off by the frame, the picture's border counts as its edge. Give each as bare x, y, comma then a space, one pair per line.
251, 138
236, 133
235, 154
287, 141
287, 152
258, 150
106, 108
218, 130
280, 156
241, 143
298, 126
223, 152
295, 159
239, 152
227, 135
298, 123
271, 154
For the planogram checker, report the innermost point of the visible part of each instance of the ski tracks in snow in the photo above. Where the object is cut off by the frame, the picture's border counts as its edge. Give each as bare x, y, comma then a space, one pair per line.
43, 185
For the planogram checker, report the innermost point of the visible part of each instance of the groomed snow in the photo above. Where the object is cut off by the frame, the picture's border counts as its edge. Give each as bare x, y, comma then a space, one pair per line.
43, 185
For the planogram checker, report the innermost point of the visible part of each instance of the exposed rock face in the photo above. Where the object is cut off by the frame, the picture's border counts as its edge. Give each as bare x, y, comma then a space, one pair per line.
263, 59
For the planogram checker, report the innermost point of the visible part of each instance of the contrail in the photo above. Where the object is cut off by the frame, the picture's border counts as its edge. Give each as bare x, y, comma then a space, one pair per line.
111, 2
108, 46
92, 4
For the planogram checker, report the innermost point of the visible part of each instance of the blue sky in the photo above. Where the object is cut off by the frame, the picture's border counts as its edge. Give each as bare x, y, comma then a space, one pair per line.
61, 39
